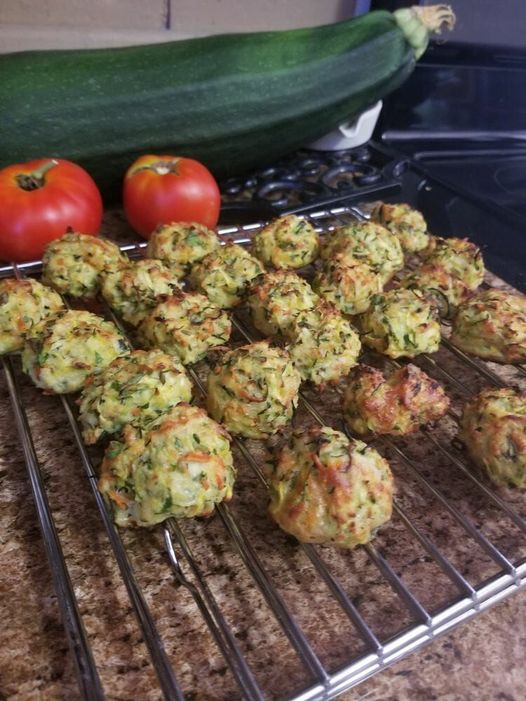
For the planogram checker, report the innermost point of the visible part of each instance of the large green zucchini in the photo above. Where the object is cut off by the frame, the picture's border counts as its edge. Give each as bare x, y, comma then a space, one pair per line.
231, 101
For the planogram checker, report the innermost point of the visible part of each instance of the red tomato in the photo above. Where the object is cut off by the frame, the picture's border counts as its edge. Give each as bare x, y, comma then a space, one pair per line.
40, 200
165, 189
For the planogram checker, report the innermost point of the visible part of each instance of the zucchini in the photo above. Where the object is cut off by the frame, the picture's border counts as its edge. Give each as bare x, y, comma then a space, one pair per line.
233, 101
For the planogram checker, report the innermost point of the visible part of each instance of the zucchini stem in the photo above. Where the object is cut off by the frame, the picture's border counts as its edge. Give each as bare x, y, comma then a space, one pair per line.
434, 16
417, 23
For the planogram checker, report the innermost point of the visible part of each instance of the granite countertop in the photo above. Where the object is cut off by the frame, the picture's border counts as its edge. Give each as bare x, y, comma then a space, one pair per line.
483, 659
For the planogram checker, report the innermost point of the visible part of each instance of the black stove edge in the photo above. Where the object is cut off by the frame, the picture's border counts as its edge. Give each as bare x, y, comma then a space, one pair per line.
250, 212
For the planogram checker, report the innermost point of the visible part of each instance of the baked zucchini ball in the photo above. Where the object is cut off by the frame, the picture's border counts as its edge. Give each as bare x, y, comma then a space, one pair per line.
328, 489
131, 391
65, 348
445, 290
253, 390
324, 345
493, 429
134, 290
225, 274
406, 223
277, 298
287, 242
185, 325
398, 404
492, 325
179, 465
74, 264
367, 242
349, 285
23, 303
181, 245
459, 257
401, 323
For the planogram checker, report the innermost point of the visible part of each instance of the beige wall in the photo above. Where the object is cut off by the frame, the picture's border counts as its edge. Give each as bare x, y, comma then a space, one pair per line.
35, 24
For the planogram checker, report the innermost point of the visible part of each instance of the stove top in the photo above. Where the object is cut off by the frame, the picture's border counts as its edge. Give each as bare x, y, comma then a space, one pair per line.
492, 178
311, 178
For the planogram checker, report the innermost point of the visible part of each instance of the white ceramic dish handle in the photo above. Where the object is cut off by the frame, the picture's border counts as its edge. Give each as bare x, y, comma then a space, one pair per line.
350, 134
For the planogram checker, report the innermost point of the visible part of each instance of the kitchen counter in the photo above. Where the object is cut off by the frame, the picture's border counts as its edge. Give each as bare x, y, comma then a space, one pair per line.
483, 659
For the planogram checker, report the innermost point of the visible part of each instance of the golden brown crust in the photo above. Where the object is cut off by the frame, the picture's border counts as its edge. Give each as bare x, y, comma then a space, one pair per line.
400, 323
324, 345
408, 225
493, 428
225, 274
277, 298
178, 465
66, 348
445, 290
181, 245
131, 391
459, 257
349, 285
288, 242
23, 304
186, 325
253, 390
368, 242
134, 290
398, 404
492, 325
74, 264
326, 488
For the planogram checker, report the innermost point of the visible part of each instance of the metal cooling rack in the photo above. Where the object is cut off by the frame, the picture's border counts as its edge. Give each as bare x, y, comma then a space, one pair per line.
320, 682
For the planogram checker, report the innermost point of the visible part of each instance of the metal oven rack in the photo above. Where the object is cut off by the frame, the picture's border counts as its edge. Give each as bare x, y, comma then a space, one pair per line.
377, 652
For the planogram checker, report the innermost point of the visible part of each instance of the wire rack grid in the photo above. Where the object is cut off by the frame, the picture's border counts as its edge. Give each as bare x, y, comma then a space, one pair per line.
468, 590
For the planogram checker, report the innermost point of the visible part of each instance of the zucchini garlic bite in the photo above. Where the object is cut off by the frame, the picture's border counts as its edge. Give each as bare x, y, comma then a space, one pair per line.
134, 290
493, 429
277, 298
23, 304
288, 242
74, 264
253, 390
131, 391
444, 289
492, 325
349, 285
400, 323
459, 257
178, 465
324, 345
367, 242
180, 245
67, 347
406, 223
397, 405
186, 325
225, 274
326, 488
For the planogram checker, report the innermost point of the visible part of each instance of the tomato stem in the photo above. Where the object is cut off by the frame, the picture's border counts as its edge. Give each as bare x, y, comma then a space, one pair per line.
160, 167
36, 178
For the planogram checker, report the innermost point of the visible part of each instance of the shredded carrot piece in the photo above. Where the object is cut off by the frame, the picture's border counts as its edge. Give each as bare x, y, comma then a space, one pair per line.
197, 457
119, 499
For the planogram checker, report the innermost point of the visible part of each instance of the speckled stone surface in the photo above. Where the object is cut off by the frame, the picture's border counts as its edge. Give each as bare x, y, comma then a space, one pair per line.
483, 659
